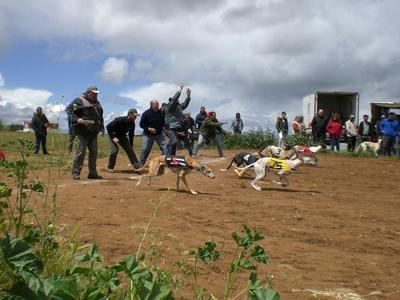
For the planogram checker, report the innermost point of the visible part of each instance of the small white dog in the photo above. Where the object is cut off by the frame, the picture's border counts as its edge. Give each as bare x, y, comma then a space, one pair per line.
282, 168
364, 146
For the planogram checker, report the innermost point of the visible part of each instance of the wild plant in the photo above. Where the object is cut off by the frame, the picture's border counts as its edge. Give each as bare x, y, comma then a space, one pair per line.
247, 255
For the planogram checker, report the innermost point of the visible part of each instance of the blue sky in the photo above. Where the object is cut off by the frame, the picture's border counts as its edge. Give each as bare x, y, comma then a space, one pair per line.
254, 57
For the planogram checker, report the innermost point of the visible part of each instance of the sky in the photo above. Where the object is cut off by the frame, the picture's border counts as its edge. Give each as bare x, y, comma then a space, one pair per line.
258, 58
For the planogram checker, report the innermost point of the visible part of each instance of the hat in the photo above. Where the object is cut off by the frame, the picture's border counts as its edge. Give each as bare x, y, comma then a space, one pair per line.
352, 116
133, 111
92, 88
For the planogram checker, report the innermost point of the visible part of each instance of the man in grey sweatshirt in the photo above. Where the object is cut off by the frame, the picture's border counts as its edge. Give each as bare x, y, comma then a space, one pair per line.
173, 118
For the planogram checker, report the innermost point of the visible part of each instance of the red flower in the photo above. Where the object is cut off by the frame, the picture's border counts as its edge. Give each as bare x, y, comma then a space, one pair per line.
2, 155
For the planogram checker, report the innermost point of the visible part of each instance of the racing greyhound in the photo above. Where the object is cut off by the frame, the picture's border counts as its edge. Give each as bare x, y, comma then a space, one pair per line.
282, 168
180, 165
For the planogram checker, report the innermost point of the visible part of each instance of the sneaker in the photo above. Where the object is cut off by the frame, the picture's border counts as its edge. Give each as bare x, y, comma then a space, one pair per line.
109, 170
94, 177
76, 177
137, 166
47, 153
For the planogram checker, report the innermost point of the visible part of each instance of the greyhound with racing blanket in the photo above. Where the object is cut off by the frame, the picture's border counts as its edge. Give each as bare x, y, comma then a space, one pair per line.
282, 168
180, 165
241, 159
308, 153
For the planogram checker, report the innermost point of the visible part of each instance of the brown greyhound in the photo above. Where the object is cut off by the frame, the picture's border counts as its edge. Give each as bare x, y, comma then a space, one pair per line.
180, 165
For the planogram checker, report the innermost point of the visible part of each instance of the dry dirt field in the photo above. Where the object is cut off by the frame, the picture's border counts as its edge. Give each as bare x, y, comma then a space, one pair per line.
334, 230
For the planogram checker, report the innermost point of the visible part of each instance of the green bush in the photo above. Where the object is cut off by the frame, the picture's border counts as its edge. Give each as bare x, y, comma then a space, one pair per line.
295, 139
254, 139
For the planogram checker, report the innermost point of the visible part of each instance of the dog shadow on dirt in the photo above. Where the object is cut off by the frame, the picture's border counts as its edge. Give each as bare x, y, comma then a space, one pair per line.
286, 190
183, 191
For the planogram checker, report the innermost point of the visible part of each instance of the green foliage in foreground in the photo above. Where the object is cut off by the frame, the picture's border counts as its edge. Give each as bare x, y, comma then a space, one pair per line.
37, 262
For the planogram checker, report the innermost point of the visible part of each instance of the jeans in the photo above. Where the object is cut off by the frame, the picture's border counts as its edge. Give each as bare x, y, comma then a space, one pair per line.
388, 144
124, 143
335, 141
201, 141
172, 140
40, 139
148, 141
84, 142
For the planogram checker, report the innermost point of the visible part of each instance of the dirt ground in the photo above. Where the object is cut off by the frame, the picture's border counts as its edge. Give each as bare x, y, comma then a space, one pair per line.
334, 230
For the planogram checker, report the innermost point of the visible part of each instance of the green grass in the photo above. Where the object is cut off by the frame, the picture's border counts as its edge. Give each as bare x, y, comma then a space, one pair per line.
56, 146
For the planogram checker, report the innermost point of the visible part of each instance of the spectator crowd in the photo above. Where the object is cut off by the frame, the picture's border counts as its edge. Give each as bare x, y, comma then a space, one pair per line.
171, 128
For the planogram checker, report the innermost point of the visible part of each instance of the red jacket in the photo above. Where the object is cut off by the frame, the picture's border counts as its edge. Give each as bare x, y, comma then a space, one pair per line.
334, 128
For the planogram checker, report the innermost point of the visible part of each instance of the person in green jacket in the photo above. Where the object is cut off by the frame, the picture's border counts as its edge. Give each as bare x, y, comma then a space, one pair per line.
210, 130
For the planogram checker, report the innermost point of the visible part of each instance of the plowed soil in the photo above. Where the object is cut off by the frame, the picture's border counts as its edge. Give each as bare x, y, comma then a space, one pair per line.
335, 230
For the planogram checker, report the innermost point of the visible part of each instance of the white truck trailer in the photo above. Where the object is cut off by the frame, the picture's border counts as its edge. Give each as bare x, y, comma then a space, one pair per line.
344, 103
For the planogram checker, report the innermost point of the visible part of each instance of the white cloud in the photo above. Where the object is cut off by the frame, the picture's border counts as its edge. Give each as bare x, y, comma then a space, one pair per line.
142, 96
114, 69
247, 56
25, 97
20, 103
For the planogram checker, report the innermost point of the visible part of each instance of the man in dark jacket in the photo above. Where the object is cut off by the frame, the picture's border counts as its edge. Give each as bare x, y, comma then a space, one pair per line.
39, 126
117, 130
174, 117
318, 125
282, 126
153, 124
366, 130
201, 116
87, 119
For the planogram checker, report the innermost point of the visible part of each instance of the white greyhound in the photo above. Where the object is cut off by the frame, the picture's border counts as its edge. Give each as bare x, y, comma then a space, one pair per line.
364, 146
282, 168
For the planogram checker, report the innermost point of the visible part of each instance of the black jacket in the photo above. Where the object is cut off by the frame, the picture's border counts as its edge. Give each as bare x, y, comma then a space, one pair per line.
119, 127
39, 124
371, 128
319, 123
152, 119
282, 125
82, 108
200, 118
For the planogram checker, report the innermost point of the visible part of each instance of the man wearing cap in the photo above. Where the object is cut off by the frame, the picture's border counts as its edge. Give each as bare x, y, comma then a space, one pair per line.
39, 126
351, 133
117, 130
153, 124
390, 128
87, 119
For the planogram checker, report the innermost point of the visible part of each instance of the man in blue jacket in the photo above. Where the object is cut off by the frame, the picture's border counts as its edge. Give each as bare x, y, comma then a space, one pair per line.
390, 129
